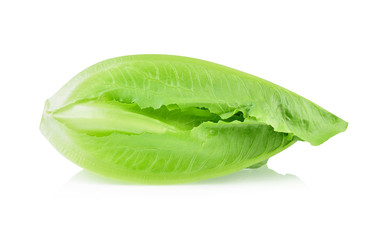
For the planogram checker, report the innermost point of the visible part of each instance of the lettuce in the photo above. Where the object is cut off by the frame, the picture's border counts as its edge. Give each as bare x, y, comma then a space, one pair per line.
162, 119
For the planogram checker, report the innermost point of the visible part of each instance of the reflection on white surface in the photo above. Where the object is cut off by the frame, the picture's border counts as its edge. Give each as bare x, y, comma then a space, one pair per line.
258, 175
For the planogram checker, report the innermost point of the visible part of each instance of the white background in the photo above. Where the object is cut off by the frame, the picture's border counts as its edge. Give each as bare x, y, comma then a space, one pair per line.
328, 51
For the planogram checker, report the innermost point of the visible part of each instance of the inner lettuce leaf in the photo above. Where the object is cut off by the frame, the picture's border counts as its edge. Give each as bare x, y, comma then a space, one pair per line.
168, 119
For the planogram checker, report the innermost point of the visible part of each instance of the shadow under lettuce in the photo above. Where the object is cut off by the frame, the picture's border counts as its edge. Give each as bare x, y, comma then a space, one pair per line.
253, 175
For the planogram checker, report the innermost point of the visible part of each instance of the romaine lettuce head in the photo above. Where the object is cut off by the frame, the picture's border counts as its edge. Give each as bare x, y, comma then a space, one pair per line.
162, 119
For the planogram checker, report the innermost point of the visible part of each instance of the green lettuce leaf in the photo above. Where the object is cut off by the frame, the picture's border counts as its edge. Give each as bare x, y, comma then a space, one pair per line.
170, 119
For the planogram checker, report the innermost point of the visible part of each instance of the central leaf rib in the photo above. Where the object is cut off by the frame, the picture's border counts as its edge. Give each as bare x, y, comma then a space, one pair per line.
100, 117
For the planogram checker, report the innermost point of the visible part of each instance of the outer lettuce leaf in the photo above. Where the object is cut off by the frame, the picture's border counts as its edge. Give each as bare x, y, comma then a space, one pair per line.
209, 150
163, 80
